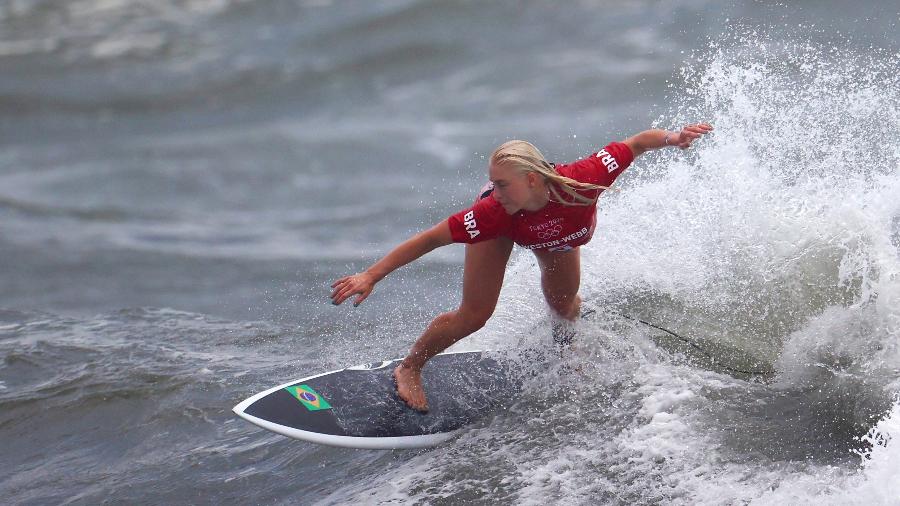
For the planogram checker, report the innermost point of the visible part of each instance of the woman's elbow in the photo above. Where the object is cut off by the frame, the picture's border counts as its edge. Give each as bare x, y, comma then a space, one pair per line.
439, 235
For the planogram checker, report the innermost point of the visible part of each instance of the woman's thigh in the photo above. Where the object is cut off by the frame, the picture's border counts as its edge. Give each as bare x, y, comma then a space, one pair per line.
485, 265
560, 277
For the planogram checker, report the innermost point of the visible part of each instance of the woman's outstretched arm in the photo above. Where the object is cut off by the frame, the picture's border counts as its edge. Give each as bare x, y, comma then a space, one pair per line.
406, 252
655, 139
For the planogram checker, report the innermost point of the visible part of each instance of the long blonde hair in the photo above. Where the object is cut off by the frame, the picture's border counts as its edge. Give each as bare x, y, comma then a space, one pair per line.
527, 158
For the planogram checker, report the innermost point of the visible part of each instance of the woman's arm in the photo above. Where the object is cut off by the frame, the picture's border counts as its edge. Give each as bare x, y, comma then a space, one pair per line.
655, 139
406, 252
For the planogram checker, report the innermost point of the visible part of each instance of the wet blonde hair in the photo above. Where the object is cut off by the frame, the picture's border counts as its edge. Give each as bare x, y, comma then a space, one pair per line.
527, 158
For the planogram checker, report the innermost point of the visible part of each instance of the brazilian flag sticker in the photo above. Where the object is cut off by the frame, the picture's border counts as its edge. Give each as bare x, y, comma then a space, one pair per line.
308, 397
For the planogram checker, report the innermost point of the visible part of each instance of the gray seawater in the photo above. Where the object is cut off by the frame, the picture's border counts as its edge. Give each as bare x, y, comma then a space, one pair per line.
181, 180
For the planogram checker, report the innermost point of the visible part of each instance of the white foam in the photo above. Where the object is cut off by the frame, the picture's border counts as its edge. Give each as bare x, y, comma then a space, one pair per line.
877, 482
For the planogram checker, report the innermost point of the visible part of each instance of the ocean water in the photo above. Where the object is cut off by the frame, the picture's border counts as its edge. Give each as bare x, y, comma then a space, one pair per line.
181, 181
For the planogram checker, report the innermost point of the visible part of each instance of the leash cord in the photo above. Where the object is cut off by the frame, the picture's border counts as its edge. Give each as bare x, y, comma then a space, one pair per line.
695, 346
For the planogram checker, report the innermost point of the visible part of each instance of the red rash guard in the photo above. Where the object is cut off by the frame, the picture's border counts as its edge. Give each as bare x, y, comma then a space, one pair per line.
555, 227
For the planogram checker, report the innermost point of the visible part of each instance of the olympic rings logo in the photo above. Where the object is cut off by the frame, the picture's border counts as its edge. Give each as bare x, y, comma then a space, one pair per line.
550, 233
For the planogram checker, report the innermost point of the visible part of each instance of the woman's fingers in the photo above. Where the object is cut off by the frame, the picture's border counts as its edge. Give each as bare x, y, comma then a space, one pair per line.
689, 133
348, 286
341, 284
340, 280
362, 297
338, 287
339, 298
700, 128
339, 293
348, 291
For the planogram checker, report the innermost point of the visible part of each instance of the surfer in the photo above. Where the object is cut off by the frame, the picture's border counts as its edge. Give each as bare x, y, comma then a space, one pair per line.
546, 208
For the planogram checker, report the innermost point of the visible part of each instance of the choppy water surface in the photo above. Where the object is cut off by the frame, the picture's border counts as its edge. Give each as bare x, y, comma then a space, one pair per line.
180, 182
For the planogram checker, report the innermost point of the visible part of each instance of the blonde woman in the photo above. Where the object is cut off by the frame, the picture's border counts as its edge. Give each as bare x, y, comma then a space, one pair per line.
546, 208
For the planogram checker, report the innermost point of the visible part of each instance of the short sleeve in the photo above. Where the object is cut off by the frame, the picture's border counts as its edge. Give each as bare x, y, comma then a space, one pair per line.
601, 168
486, 219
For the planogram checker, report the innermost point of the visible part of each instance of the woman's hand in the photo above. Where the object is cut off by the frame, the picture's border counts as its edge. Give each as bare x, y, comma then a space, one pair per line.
658, 138
690, 133
409, 250
361, 284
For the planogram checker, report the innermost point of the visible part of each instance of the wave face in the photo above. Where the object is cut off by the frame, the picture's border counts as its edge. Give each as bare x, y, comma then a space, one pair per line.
229, 159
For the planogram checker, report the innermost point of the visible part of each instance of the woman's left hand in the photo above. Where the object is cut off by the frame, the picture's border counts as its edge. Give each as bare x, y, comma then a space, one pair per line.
690, 133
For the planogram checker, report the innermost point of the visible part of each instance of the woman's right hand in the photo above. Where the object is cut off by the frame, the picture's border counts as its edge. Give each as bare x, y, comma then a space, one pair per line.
344, 288
692, 132
406, 252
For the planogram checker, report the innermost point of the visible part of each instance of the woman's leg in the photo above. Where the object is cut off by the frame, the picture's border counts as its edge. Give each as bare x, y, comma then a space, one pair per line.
485, 265
560, 279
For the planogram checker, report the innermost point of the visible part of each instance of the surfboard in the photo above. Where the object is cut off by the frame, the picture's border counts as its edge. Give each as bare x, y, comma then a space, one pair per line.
358, 407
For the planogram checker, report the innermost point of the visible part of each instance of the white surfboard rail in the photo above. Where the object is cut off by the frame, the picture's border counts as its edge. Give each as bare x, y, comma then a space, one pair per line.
369, 443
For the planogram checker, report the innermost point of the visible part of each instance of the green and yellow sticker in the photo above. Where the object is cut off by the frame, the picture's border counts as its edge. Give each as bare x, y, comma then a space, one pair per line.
308, 397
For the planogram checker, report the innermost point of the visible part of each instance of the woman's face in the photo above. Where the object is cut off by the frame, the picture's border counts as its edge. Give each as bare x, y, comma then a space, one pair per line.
514, 189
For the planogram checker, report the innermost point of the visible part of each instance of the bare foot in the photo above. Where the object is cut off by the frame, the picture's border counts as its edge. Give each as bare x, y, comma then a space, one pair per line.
409, 387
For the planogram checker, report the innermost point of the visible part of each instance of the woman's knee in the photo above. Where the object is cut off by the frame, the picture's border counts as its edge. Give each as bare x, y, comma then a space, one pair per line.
560, 279
474, 318
565, 306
